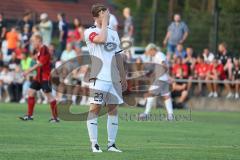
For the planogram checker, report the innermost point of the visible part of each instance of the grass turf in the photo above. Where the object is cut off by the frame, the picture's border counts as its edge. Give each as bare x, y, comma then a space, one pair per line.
208, 136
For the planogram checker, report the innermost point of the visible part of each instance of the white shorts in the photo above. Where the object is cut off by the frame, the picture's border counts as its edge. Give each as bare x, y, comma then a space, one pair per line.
104, 92
160, 88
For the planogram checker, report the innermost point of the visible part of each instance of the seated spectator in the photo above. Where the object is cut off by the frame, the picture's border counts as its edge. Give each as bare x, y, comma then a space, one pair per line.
68, 54
190, 61
236, 77
180, 69
18, 51
12, 38
180, 52
200, 72
215, 72
179, 89
208, 56
14, 61
226, 60
5, 79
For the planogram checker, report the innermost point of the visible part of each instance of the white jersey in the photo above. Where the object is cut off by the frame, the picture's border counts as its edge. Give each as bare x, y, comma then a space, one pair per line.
105, 53
113, 23
159, 58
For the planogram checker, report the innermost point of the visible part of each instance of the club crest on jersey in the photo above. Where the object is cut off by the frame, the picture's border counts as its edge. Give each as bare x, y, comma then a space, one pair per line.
110, 46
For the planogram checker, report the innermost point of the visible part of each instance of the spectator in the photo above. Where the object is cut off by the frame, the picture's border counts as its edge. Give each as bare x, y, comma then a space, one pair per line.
208, 56
226, 60
180, 52
26, 22
63, 31
179, 89
14, 61
12, 40
236, 77
201, 70
35, 31
78, 33
3, 29
26, 62
180, 69
46, 28
18, 51
215, 72
15, 86
5, 79
128, 24
26, 36
68, 54
1, 61
1, 68
113, 23
53, 52
177, 34
190, 60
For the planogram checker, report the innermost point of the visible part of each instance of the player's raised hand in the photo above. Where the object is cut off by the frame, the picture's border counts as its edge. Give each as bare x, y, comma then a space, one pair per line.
104, 15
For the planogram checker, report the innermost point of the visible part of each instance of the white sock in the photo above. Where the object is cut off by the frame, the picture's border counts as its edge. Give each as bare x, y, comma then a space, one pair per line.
150, 103
84, 99
74, 98
92, 126
169, 106
112, 128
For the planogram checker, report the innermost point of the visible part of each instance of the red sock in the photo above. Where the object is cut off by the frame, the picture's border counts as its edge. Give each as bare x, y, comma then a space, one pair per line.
53, 105
31, 104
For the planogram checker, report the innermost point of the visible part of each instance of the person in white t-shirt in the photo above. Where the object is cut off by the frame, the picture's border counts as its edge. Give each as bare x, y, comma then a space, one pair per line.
160, 86
107, 76
208, 56
68, 53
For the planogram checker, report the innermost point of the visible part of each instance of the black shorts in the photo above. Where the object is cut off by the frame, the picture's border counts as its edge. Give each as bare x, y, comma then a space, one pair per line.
44, 85
176, 94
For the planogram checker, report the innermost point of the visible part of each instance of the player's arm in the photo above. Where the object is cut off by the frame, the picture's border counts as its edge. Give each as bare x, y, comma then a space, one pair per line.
4, 31
184, 37
102, 36
121, 69
30, 70
166, 38
130, 32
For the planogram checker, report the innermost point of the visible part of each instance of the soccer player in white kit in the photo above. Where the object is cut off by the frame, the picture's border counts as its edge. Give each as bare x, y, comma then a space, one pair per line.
160, 86
109, 79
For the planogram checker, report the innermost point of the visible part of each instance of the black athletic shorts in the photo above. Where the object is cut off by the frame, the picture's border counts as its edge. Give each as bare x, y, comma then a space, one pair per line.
44, 85
176, 94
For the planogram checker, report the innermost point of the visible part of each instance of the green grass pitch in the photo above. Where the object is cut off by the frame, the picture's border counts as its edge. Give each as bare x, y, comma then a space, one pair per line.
209, 136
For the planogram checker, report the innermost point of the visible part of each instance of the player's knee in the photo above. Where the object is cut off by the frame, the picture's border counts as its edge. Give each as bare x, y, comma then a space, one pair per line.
166, 97
112, 111
31, 93
95, 108
50, 98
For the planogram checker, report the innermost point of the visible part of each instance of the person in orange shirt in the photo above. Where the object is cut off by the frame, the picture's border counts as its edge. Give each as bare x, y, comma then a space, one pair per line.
12, 38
